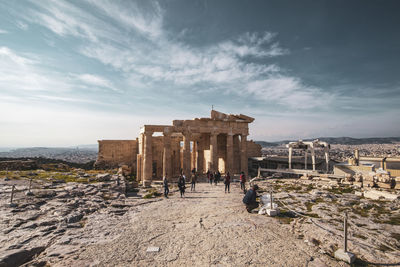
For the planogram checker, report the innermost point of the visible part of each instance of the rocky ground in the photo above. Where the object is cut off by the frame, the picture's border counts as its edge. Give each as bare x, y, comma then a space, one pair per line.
91, 222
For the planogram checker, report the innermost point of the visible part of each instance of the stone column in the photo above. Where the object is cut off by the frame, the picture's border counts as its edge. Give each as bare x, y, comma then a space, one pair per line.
326, 150
186, 154
313, 158
194, 156
213, 152
243, 155
229, 153
290, 157
200, 158
305, 159
147, 159
167, 171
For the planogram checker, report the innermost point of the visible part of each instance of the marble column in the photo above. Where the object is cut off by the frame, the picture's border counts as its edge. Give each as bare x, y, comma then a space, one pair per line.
200, 157
167, 172
243, 155
213, 152
229, 153
326, 150
313, 158
194, 156
305, 159
147, 159
186, 154
290, 157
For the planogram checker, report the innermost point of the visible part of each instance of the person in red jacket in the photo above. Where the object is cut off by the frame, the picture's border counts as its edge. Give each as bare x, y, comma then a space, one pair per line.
243, 182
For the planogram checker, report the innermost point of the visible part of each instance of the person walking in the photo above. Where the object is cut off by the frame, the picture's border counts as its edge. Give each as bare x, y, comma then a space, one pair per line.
182, 185
193, 181
227, 182
211, 178
166, 189
243, 182
217, 177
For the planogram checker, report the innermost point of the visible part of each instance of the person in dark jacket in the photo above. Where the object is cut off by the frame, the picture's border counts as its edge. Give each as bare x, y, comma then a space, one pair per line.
182, 185
243, 182
166, 189
217, 177
211, 178
227, 182
193, 180
250, 198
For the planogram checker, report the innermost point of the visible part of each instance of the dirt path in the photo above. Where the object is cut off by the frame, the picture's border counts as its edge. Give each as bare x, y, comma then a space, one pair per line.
227, 236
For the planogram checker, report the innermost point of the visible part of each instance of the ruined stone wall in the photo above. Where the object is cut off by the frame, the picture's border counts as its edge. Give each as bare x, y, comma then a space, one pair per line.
348, 169
113, 153
253, 149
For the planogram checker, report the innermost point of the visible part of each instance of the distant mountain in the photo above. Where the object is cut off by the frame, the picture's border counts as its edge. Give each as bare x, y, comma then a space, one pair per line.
339, 140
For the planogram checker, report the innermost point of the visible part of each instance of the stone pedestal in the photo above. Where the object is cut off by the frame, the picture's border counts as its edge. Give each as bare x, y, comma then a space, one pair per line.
272, 212
345, 256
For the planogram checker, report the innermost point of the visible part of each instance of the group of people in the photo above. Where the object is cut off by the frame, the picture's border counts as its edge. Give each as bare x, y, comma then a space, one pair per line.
250, 195
212, 177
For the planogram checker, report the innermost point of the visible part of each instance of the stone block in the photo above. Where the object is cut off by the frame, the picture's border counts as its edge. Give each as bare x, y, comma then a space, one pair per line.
272, 212
375, 194
383, 185
345, 256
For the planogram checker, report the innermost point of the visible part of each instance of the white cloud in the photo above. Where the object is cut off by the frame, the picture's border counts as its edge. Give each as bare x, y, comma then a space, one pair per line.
96, 81
136, 44
19, 72
22, 25
149, 24
3, 31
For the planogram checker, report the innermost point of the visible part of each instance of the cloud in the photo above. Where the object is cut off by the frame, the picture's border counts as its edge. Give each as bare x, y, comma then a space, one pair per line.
22, 25
96, 81
288, 91
132, 39
18, 72
3, 31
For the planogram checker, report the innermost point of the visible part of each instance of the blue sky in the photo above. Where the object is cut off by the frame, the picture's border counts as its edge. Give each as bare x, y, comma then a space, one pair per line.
73, 72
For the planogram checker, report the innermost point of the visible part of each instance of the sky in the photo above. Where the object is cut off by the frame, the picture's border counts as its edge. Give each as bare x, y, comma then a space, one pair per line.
74, 72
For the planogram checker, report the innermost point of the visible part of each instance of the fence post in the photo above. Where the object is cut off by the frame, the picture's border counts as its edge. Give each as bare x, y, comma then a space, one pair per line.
345, 231
12, 197
29, 193
343, 254
270, 198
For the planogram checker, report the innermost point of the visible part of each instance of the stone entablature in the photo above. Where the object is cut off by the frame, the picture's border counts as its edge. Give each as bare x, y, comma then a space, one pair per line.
215, 143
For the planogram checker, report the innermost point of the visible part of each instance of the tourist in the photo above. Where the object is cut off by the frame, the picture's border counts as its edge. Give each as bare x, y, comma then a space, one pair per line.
250, 198
211, 178
166, 189
182, 185
217, 177
193, 181
243, 182
227, 182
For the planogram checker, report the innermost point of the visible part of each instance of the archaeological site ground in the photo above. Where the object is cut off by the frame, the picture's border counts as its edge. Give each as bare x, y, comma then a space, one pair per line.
335, 208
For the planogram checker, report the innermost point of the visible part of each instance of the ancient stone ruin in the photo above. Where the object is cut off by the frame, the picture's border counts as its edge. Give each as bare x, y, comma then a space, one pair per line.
218, 143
